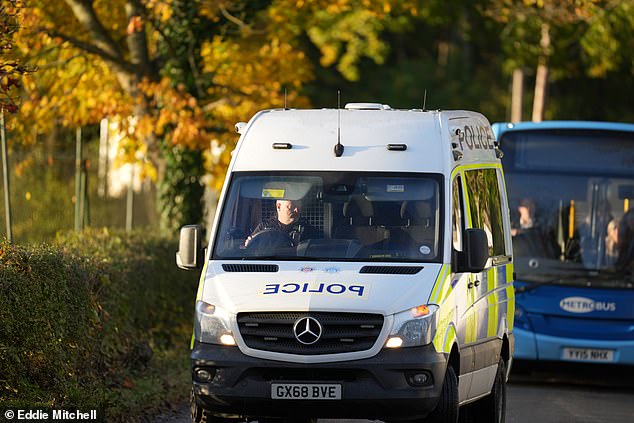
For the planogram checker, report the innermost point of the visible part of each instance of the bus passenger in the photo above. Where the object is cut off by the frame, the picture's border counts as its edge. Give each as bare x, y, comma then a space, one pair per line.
626, 242
612, 242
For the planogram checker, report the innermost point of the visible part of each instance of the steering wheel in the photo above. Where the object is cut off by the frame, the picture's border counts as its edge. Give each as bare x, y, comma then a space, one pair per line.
269, 239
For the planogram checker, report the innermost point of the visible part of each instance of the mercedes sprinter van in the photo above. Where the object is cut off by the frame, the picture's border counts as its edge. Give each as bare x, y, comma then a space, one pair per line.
360, 265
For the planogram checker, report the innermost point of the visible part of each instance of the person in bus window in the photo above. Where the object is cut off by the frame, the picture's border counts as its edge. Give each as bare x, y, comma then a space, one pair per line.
612, 242
526, 212
529, 237
286, 221
625, 260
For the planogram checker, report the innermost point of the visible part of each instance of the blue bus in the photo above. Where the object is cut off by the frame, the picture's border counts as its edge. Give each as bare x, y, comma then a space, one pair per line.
571, 195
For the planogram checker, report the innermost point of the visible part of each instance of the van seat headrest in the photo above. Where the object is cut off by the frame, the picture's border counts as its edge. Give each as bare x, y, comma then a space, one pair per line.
359, 210
416, 212
388, 214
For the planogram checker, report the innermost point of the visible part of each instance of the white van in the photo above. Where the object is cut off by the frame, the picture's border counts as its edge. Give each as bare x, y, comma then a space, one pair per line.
360, 266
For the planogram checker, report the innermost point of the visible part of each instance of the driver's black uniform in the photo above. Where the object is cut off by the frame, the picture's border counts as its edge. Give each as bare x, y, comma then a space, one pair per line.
297, 231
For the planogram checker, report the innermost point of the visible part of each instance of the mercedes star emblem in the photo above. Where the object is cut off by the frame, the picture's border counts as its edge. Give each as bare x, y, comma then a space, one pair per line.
307, 330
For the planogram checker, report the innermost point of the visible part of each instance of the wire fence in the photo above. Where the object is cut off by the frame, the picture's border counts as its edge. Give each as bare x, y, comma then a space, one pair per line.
50, 190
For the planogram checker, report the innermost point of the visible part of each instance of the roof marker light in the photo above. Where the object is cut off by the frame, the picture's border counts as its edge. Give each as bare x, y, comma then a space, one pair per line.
282, 145
367, 106
397, 147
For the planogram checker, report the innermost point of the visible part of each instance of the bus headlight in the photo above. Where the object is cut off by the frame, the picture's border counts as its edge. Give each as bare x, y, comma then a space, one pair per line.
413, 327
211, 325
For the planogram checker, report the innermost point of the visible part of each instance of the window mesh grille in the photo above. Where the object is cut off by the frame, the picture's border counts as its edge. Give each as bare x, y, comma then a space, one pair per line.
312, 209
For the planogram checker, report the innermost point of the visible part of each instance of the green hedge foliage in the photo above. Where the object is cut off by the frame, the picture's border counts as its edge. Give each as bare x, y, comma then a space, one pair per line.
96, 320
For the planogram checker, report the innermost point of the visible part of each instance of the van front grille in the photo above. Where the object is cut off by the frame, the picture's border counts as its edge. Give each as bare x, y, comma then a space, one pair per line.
340, 332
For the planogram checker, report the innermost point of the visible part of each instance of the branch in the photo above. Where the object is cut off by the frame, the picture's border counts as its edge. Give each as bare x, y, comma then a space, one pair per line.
232, 18
210, 106
91, 48
86, 15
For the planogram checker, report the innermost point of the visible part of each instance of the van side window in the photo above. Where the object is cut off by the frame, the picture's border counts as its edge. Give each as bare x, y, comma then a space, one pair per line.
486, 207
457, 224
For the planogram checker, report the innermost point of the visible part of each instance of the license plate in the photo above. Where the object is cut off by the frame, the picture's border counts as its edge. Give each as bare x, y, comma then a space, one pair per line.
588, 354
306, 391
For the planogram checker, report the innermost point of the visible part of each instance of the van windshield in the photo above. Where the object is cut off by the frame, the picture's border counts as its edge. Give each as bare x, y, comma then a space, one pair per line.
333, 216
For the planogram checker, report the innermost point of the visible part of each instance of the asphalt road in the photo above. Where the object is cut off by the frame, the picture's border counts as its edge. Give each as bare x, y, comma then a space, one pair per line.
548, 394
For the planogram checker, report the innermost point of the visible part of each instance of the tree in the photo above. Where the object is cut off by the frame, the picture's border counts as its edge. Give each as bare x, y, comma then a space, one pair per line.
187, 71
11, 70
562, 39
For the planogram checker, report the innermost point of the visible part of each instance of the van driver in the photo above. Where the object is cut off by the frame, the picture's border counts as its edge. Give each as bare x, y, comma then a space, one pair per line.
288, 222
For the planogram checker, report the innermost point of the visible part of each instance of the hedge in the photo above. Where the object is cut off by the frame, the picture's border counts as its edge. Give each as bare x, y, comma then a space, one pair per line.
95, 320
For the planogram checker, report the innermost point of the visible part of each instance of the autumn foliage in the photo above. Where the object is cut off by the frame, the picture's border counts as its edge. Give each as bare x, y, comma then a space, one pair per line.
11, 70
178, 74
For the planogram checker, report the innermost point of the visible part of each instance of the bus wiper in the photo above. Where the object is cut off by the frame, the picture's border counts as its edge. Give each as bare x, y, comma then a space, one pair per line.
533, 284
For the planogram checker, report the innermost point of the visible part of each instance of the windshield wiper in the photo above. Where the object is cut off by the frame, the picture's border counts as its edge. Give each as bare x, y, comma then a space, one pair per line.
532, 284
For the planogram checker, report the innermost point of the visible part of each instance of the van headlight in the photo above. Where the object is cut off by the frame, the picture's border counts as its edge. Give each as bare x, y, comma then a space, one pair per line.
211, 325
413, 327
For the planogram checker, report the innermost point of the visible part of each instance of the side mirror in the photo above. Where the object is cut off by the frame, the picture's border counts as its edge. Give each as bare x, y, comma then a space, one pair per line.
190, 253
476, 251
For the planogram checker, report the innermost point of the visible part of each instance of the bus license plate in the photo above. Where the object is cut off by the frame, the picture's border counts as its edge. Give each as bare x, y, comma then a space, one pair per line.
588, 354
306, 391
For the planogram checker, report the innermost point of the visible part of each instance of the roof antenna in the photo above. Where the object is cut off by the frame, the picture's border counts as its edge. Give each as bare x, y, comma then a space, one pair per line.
425, 101
285, 106
338, 146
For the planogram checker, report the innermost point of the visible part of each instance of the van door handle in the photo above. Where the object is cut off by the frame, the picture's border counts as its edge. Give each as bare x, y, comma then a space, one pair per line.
477, 283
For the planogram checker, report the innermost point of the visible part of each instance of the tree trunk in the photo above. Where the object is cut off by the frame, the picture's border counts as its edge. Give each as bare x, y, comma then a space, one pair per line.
517, 95
541, 80
179, 190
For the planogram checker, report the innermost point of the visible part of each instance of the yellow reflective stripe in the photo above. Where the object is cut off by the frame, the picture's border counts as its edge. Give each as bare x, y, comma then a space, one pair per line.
471, 328
475, 166
447, 288
454, 173
440, 279
492, 301
443, 293
492, 277
199, 295
444, 320
471, 324
201, 282
471, 292
510, 297
451, 336
465, 194
441, 283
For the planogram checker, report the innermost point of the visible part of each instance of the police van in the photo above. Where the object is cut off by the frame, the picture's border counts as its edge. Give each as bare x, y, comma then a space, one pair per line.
360, 266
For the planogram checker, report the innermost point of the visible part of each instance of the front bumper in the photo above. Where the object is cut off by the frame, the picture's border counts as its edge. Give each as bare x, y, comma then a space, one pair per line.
374, 388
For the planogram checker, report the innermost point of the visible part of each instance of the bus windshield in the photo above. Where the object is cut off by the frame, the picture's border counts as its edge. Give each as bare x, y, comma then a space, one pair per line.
570, 194
331, 216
